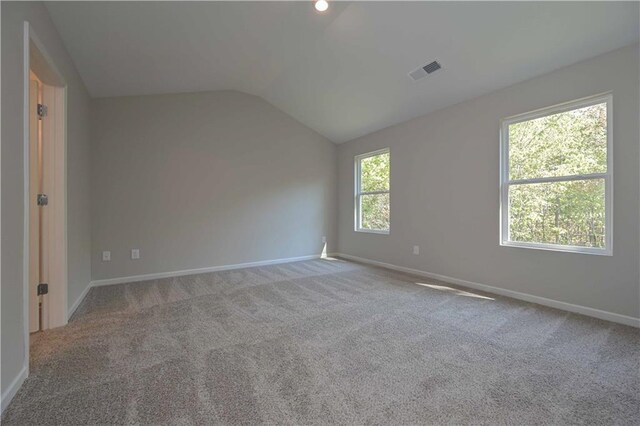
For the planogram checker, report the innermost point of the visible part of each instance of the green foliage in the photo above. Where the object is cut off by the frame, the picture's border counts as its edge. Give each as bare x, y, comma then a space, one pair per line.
374, 176
375, 211
374, 173
564, 144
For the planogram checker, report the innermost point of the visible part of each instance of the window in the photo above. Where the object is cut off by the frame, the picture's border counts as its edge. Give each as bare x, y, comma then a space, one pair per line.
556, 178
372, 192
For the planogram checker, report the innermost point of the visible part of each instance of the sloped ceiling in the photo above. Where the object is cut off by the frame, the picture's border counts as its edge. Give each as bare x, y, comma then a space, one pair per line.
344, 73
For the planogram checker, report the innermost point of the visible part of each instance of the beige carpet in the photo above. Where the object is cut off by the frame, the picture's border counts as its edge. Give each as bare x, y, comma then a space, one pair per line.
325, 342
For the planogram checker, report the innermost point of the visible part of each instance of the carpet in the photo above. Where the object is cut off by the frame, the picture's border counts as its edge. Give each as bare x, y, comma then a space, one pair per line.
325, 342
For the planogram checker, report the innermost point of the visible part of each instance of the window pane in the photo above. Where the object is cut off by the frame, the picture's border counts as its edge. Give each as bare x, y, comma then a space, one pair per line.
374, 173
374, 210
569, 143
566, 213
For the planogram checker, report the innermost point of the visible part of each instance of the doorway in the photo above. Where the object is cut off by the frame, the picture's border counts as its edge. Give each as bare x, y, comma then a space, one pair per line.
45, 189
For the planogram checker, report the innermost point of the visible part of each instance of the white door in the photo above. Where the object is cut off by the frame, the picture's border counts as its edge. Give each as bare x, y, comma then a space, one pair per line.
35, 161
41, 165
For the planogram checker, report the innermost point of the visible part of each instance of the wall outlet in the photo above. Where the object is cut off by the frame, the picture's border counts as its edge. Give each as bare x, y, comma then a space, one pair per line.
135, 254
324, 239
106, 256
416, 249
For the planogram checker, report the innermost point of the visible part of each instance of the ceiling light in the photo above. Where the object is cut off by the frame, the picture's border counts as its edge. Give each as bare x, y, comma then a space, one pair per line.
321, 5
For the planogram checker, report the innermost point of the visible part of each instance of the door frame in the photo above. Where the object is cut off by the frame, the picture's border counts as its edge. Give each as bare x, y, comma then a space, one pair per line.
36, 55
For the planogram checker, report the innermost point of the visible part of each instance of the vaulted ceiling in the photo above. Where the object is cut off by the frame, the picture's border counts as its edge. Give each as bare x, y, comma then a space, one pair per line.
344, 73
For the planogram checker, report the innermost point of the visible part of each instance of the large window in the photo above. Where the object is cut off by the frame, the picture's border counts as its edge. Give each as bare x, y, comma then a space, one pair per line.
372, 192
556, 178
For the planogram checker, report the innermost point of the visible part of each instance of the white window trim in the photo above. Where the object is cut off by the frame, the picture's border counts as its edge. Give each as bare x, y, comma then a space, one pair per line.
608, 176
357, 160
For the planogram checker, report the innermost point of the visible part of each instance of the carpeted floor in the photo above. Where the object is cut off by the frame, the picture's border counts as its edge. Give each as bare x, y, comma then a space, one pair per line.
325, 342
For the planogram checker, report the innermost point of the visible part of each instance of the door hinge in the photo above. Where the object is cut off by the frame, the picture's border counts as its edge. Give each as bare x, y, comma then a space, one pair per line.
43, 288
43, 199
42, 110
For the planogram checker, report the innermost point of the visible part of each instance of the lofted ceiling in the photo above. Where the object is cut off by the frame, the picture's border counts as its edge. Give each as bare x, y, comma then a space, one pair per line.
343, 73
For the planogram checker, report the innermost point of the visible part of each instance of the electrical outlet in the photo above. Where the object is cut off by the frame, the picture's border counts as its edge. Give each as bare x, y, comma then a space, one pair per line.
106, 256
324, 239
135, 254
416, 249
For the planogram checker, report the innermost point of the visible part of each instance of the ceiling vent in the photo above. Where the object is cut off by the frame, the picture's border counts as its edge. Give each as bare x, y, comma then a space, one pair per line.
425, 70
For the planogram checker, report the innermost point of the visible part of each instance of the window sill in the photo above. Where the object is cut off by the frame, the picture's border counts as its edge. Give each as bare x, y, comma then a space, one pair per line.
373, 231
554, 247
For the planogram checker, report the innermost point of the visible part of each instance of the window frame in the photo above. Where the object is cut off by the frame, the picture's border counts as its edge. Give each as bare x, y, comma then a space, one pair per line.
505, 182
357, 210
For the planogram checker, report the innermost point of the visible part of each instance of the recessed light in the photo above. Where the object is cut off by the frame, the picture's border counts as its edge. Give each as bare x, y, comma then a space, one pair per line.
321, 5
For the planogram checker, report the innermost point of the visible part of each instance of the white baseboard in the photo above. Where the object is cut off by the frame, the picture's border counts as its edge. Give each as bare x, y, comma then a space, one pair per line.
584, 310
78, 301
11, 391
171, 274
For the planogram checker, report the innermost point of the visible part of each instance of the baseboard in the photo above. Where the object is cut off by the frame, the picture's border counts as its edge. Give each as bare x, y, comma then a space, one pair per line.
579, 309
11, 391
78, 301
171, 274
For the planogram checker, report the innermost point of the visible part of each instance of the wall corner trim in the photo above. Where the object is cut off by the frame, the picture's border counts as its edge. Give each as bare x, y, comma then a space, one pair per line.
13, 388
564, 306
78, 301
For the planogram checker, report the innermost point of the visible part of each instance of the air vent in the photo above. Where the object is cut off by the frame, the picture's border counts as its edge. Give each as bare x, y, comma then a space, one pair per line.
432, 67
425, 70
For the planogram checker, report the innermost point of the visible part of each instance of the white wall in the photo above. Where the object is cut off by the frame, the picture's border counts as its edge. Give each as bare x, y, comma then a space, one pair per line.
445, 196
78, 155
206, 179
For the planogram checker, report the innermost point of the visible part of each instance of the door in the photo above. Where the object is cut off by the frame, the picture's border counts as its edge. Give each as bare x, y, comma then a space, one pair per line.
35, 175
40, 181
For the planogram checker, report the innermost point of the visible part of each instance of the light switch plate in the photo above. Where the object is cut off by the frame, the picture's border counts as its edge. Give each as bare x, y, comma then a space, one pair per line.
106, 256
416, 249
135, 254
